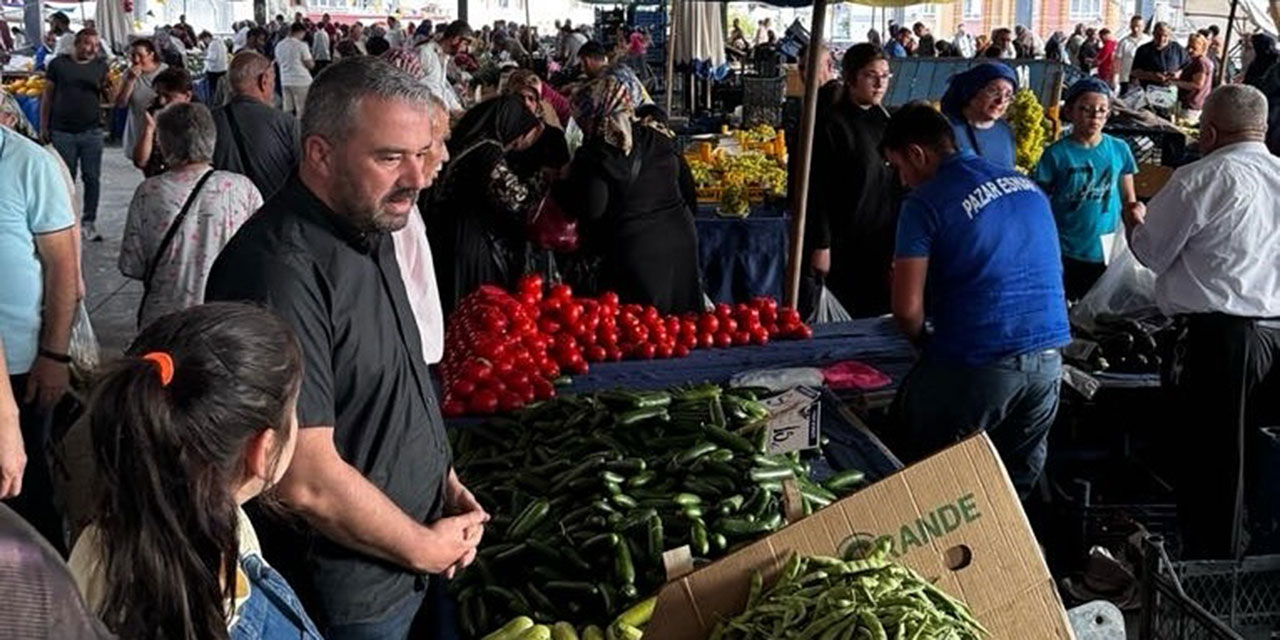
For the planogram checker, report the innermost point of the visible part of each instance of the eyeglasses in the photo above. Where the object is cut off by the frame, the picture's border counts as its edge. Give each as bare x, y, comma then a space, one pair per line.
1096, 111
1000, 94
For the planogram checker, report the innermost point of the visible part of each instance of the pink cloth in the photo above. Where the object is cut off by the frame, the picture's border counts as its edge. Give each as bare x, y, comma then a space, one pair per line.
558, 103
637, 46
852, 374
413, 254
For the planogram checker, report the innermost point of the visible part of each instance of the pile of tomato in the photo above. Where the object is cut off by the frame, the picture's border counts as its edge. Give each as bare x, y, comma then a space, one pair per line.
504, 350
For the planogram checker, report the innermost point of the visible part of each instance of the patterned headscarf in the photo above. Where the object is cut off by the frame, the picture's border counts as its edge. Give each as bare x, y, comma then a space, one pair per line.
9, 106
604, 107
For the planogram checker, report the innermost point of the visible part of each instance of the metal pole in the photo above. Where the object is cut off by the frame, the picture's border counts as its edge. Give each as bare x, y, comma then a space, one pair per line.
671, 53
817, 31
1226, 42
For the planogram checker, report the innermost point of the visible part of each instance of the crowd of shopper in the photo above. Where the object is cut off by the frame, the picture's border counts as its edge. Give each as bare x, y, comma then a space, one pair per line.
301, 239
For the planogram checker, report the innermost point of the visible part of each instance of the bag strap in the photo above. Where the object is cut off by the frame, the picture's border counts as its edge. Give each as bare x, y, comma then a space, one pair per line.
173, 231
240, 146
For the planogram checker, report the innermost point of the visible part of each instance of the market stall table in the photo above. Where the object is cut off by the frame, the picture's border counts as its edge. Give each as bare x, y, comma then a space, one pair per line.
742, 257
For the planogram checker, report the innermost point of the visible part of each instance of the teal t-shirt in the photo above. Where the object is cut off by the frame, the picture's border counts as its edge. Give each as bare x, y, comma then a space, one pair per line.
1083, 184
33, 201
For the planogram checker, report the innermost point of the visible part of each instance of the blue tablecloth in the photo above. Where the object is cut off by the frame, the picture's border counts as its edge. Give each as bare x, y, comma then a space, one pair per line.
742, 257
30, 108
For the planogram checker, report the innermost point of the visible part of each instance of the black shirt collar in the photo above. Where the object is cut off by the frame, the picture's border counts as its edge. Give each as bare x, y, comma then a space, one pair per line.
302, 199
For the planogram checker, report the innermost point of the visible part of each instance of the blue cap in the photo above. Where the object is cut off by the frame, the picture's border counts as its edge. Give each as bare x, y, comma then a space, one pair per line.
966, 84
1087, 85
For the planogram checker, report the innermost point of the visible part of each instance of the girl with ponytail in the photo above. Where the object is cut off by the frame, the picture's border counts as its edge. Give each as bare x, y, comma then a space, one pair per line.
197, 419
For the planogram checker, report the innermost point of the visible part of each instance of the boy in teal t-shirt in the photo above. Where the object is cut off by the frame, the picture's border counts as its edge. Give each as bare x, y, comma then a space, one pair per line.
1088, 177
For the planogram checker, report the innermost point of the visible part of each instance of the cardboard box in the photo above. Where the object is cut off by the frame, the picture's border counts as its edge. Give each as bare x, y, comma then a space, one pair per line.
954, 518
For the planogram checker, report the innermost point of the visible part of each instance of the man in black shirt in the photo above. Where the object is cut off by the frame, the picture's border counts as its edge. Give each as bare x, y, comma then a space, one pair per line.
255, 139
1157, 63
70, 117
372, 477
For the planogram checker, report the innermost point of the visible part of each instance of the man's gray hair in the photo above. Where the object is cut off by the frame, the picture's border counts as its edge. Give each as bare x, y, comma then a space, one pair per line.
1235, 108
335, 96
186, 134
246, 67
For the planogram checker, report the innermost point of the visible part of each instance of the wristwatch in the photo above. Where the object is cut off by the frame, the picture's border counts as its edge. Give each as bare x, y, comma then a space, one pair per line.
60, 358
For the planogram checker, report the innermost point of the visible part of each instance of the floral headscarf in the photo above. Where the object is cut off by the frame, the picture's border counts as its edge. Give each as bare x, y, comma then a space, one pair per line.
603, 107
9, 105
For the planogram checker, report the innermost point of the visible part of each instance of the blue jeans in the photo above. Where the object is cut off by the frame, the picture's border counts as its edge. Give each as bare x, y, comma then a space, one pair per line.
273, 611
1014, 400
395, 626
83, 151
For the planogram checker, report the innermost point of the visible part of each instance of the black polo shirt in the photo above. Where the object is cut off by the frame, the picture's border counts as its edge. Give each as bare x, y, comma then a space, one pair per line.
268, 142
341, 291
1170, 59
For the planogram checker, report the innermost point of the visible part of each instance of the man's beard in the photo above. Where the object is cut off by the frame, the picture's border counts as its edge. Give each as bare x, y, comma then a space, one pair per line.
371, 217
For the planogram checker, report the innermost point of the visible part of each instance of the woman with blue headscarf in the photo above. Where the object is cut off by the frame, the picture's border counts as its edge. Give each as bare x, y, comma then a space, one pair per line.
1088, 177
975, 103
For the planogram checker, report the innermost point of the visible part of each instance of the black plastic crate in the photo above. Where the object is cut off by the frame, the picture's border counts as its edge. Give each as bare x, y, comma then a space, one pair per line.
1209, 599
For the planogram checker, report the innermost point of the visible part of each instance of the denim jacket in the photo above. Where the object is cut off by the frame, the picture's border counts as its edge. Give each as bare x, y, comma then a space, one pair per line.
272, 611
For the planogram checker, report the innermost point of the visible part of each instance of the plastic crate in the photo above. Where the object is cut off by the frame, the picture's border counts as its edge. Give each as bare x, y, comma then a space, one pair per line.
1209, 599
762, 98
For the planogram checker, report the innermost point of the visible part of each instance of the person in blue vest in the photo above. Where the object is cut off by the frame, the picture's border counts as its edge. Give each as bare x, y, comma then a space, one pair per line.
982, 239
975, 103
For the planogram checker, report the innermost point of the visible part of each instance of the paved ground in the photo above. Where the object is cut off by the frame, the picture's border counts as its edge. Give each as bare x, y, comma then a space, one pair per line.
112, 299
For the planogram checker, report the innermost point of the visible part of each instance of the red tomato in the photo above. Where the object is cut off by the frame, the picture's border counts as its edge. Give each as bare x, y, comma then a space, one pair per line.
578, 365
528, 394
740, 308
742, 337
476, 371
637, 333
493, 320
664, 350
570, 312
550, 369
768, 315
651, 315
609, 299
689, 328
681, 351
510, 401
483, 402
723, 311
596, 353
760, 335
724, 340
453, 408
689, 342
543, 389
462, 389
491, 291
531, 283
614, 353
645, 351
530, 300
749, 316
672, 324
706, 340
549, 326
562, 291
765, 302
728, 325
788, 317
803, 332
709, 324
490, 348
503, 368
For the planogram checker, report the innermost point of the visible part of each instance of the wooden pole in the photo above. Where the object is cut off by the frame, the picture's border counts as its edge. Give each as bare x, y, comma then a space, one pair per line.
1226, 42
670, 80
817, 30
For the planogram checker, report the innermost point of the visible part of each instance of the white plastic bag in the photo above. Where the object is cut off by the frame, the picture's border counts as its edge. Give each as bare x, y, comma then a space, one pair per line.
829, 308
1126, 288
84, 343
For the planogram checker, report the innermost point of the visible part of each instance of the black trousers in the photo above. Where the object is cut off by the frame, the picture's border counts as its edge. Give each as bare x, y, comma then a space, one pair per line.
35, 504
1228, 386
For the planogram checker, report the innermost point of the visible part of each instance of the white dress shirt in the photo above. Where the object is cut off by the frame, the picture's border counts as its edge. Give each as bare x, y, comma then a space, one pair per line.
240, 39
435, 75
413, 253
215, 57
1212, 235
964, 44
1126, 49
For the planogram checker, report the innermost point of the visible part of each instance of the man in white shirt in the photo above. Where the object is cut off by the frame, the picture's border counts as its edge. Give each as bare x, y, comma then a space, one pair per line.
295, 61
241, 36
64, 38
395, 33
963, 42
215, 59
1127, 48
1213, 239
435, 57
321, 51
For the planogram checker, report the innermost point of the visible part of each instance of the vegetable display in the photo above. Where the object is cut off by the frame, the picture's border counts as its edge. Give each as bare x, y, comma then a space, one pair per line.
868, 596
1031, 134
503, 351
590, 490
628, 626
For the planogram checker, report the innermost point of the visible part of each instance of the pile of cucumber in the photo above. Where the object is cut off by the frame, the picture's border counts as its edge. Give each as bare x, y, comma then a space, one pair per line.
588, 491
865, 595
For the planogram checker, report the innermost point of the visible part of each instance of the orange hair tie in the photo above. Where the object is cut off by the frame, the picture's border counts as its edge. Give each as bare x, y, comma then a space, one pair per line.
164, 364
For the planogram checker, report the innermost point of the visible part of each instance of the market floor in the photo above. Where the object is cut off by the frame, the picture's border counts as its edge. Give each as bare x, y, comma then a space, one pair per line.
111, 298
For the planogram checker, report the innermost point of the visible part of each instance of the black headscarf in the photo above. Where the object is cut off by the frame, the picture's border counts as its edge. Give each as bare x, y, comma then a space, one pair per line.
501, 119
1264, 57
